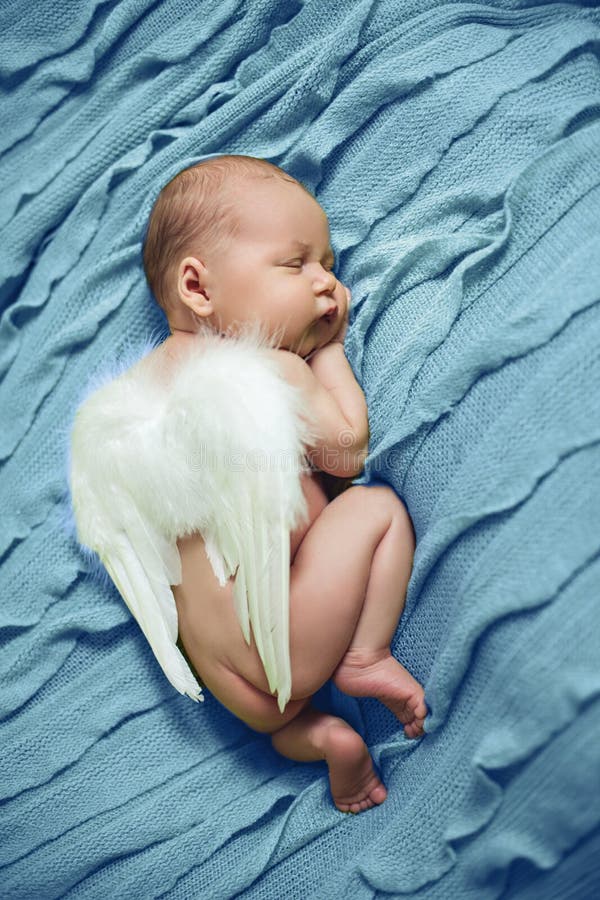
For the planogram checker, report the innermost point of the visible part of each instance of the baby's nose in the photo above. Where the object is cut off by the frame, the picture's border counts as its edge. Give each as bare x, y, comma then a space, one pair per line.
327, 278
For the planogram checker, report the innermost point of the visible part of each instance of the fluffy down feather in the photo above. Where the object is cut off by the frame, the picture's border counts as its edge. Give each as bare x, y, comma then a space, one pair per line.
220, 450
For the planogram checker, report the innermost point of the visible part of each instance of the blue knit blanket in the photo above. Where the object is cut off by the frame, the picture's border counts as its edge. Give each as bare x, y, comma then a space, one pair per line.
455, 147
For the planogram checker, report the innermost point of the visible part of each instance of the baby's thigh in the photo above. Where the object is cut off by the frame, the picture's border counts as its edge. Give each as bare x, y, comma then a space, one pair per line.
316, 501
328, 582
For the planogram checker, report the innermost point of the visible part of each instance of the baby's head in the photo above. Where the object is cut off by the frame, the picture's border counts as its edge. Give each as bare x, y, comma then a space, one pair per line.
236, 239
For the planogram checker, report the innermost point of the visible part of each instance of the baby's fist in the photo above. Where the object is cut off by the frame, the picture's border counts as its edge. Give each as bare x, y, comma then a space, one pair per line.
341, 333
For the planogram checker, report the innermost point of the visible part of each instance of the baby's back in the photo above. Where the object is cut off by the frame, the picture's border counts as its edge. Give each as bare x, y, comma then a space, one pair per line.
208, 625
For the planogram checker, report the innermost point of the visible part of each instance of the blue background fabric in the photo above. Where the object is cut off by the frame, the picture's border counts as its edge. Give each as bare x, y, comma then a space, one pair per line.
455, 147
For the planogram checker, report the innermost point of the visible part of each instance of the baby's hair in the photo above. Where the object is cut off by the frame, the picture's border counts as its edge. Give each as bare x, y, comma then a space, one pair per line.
194, 212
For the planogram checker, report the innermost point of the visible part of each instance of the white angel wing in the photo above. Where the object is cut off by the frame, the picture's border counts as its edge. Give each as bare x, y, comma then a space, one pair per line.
105, 493
220, 450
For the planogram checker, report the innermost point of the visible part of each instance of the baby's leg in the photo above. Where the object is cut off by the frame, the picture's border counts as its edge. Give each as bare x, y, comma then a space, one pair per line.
347, 591
316, 501
314, 735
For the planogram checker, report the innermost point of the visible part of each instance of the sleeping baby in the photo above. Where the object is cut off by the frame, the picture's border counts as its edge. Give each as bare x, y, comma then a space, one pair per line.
232, 240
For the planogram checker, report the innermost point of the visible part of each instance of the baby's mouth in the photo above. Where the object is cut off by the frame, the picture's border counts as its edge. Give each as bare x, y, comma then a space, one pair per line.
331, 317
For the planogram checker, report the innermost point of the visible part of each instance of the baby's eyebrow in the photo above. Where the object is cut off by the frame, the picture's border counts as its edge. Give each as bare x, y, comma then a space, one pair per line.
301, 245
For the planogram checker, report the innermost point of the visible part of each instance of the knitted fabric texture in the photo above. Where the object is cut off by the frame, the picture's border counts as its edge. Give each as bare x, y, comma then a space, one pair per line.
455, 148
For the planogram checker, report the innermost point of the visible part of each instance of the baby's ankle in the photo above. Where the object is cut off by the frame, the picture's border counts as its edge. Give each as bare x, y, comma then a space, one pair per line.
362, 657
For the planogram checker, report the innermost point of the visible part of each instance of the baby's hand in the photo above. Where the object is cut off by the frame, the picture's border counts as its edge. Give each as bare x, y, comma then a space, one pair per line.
341, 333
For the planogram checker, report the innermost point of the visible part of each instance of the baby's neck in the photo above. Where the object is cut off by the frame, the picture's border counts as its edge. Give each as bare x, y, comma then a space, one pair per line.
181, 334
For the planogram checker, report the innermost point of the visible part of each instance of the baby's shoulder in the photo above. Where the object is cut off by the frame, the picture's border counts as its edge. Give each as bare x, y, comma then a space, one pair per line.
160, 364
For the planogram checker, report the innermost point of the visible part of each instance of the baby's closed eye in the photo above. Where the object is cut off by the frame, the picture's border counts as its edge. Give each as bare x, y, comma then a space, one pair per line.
298, 263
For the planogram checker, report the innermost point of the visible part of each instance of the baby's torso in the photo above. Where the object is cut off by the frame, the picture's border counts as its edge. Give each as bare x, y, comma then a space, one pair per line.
208, 625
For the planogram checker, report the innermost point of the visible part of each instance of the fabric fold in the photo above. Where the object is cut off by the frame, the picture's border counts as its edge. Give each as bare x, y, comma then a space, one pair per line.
454, 147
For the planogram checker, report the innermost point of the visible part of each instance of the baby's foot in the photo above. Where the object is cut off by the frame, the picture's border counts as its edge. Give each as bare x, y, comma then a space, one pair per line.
352, 778
377, 674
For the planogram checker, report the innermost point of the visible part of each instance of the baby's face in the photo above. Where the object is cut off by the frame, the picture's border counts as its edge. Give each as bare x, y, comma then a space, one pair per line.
277, 270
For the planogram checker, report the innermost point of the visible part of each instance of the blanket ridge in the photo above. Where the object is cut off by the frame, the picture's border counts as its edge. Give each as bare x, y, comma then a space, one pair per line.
455, 149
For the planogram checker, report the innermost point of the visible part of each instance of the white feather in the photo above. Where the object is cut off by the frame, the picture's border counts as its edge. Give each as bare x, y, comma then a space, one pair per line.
219, 450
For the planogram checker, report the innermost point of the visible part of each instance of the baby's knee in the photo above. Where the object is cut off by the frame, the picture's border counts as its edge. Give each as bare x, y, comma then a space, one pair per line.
384, 500
380, 496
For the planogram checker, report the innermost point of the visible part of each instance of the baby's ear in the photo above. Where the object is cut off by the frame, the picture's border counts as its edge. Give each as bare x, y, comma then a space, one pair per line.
191, 286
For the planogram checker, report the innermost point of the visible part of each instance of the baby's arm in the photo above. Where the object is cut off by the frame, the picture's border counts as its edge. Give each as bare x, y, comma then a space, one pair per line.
336, 406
